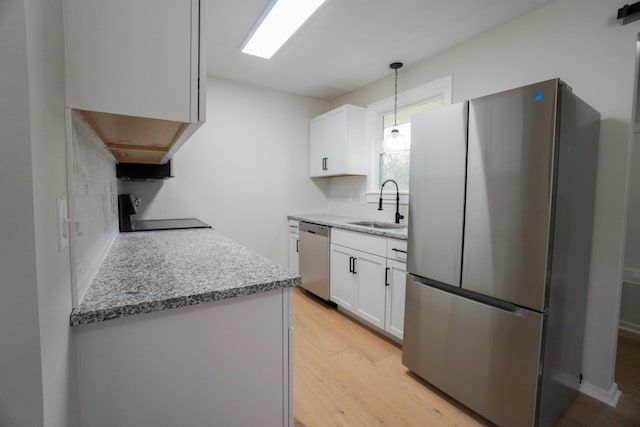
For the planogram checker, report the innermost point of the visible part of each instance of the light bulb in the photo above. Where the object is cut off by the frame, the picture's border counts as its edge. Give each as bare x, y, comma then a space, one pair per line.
394, 141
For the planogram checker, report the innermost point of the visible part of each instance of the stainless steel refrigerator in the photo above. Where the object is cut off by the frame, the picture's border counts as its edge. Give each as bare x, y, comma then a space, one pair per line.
500, 223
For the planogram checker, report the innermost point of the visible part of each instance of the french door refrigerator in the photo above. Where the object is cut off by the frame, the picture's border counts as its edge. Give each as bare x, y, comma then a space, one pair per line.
500, 224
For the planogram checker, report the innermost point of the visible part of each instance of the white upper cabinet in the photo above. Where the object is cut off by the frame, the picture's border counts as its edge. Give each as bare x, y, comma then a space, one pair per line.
337, 143
141, 59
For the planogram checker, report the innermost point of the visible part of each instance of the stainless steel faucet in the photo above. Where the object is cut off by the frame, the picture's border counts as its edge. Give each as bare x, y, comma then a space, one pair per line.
398, 216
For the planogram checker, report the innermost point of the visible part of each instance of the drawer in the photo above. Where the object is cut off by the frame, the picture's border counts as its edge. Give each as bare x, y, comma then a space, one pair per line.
369, 243
397, 249
293, 226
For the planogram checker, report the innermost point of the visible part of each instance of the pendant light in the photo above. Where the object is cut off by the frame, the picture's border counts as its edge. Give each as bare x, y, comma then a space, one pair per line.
395, 141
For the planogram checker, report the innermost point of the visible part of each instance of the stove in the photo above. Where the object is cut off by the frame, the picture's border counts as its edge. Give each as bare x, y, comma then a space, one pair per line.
167, 224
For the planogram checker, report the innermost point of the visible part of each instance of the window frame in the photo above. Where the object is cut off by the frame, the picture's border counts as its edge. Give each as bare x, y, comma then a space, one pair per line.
438, 87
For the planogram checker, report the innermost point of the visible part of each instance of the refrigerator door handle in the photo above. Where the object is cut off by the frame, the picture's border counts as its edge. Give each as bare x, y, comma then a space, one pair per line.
473, 296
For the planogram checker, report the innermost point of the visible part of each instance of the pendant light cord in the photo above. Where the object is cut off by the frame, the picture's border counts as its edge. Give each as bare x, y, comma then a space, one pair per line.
395, 66
395, 106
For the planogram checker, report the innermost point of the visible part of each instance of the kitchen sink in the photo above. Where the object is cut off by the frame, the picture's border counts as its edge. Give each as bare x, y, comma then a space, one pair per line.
377, 224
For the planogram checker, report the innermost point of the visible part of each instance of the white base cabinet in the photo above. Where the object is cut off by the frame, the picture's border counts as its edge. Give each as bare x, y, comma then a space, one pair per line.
370, 288
366, 282
223, 363
294, 246
396, 287
342, 281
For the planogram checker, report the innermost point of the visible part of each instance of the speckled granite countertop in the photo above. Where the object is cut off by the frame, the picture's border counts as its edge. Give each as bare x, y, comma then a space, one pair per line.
339, 221
159, 270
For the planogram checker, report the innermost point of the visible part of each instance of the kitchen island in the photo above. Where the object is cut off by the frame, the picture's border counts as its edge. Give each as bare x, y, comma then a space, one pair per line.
185, 327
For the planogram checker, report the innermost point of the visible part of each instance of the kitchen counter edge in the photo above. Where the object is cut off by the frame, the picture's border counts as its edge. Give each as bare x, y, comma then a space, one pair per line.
283, 278
339, 221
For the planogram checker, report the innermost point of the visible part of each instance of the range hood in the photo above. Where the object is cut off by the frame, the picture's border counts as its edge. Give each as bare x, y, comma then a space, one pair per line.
144, 171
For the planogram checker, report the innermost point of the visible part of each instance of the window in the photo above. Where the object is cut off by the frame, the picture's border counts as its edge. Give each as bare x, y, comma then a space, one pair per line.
395, 165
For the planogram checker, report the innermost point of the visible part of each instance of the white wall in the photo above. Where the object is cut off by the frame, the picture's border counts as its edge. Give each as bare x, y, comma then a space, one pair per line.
630, 300
581, 42
35, 297
20, 371
48, 148
346, 198
245, 169
632, 252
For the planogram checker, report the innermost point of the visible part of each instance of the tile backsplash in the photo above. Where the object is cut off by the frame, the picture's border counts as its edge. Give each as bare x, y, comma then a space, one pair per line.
95, 203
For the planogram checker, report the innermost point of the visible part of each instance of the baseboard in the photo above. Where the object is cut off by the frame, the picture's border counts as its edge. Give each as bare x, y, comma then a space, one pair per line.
633, 334
611, 397
630, 327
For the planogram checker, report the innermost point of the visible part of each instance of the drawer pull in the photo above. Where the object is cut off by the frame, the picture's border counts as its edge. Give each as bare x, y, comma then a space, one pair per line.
352, 265
398, 250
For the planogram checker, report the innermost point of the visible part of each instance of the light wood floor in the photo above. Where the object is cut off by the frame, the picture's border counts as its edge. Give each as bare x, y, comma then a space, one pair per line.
347, 375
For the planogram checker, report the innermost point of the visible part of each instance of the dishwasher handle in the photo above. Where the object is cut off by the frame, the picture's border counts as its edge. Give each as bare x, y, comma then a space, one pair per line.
309, 227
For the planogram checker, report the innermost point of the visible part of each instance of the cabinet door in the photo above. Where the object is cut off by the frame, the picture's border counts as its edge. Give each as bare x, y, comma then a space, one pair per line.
370, 298
133, 57
317, 136
396, 285
342, 280
294, 258
336, 142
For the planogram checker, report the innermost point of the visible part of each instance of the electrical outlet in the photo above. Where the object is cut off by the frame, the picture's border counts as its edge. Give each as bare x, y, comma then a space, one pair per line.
63, 224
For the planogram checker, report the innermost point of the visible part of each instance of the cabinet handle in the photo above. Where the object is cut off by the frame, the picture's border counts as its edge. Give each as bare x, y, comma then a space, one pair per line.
399, 250
354, 265
324, 164
386, 276
297, 245
350, 264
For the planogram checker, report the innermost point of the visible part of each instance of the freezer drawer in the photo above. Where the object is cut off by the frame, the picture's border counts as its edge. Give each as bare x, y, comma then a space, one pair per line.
485, 357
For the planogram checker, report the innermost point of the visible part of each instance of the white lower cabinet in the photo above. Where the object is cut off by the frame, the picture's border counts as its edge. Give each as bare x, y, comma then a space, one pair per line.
342, 281
223, 363
365, 282
294, 247
370, 287
396, 285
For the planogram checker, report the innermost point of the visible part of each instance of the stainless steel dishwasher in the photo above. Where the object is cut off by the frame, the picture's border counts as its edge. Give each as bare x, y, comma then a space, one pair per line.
314, 258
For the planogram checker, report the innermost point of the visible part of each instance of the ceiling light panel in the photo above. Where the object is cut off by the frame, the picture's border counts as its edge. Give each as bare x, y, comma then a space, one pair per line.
283, 19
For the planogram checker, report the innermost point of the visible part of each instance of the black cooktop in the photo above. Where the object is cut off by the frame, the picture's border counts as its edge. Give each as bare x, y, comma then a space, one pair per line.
168, 224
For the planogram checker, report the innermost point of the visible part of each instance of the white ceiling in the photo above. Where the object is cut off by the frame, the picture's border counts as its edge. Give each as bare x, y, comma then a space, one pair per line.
348, 44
